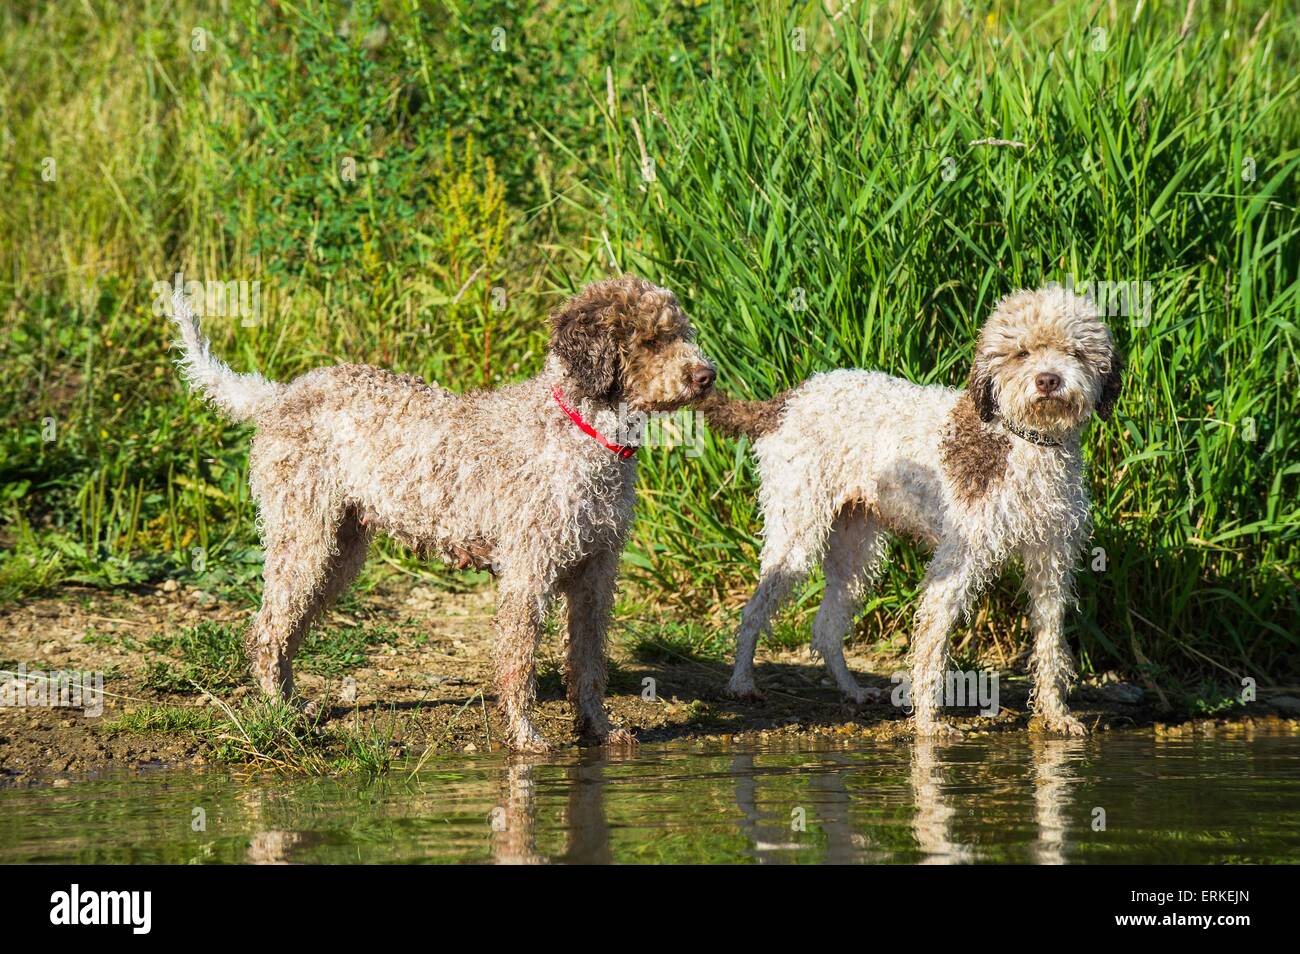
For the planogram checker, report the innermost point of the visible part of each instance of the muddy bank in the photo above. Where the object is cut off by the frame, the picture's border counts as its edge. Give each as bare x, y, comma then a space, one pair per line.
414, 664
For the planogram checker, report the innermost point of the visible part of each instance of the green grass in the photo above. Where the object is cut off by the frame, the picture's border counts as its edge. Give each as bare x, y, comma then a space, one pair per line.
673, 641
830, 168
150, 718
273, 736
337, 651
211, 655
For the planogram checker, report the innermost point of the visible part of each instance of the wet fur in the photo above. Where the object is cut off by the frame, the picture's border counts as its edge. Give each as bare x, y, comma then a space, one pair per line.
751, 419
859, 455
498, 479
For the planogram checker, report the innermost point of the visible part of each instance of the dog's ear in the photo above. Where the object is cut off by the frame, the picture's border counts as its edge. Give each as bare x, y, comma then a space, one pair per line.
585, 343
1110, 386
980, 388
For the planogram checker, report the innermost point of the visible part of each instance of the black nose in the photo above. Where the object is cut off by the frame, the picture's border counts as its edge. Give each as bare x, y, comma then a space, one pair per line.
702, 377
1047, 383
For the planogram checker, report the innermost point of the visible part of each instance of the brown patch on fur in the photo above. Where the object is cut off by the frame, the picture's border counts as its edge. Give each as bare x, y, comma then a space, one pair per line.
979, 387
974, 457
734, 417
583, 335
1111, 386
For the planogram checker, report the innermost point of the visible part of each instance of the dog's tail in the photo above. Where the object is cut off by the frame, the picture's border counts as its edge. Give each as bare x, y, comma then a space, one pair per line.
240, 396
734, 417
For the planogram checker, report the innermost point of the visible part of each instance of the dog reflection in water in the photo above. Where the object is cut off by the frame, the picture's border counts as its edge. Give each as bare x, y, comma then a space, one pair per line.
831, 807
514, 820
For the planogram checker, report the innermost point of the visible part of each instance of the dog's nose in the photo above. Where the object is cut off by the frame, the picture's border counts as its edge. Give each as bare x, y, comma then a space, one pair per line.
702, 377
1047, 382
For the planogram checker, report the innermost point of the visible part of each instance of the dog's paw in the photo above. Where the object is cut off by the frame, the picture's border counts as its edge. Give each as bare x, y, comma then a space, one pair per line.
311, 708
533, 745
620, 739
937, 731
525, 738
596, 729
308, 710
743, 692
866, 695
1060, 725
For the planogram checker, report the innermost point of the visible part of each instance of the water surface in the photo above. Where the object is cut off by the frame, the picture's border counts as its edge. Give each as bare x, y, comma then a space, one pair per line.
1116, 798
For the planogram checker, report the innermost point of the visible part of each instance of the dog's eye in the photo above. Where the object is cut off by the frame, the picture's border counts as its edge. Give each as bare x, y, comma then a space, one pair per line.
1022, 354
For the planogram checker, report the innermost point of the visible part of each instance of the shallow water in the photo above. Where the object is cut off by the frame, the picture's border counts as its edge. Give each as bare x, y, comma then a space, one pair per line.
990, 800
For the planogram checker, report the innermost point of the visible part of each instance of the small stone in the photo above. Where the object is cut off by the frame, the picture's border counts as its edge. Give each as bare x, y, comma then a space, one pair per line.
61, 783
470, 749
170, 586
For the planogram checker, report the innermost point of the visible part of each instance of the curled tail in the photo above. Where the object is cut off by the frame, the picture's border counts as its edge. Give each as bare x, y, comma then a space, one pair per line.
733, 417
240, 396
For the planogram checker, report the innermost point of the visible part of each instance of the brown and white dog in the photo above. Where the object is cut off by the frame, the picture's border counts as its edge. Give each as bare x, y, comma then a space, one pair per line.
524, 480
983, 475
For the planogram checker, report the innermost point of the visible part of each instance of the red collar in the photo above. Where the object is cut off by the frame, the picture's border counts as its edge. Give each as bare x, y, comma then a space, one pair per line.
624, 452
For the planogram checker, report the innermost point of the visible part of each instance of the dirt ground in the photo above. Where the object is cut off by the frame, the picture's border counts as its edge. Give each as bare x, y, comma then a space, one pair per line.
432, 682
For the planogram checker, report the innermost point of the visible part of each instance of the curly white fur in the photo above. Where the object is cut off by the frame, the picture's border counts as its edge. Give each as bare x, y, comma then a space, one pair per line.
240, 396
981, 475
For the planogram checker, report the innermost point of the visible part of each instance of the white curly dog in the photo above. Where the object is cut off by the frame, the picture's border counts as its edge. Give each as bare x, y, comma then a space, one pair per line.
981, 475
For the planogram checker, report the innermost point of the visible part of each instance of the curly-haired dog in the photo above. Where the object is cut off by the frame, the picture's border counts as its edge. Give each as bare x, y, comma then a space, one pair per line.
981, 475
522, 480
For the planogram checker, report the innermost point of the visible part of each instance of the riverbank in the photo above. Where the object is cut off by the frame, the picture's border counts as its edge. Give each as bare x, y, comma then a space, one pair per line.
406, 670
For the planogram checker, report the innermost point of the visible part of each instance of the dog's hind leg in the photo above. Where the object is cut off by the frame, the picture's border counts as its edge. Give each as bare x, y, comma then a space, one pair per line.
853, 555
790, 552
521, 609
774, 586
351, 547
314, 548
589, 592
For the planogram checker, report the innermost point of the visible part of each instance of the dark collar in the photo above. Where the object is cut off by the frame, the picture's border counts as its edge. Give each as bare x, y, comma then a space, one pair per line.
1031, 435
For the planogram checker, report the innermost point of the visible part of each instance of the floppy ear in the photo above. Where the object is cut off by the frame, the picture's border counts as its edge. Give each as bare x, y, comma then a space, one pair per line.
1110, 387
586, 346
980, 388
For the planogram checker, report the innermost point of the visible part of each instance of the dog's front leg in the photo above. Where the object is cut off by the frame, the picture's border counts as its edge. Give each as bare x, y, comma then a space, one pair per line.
521, 607
589, 592
1049, 580
946, 594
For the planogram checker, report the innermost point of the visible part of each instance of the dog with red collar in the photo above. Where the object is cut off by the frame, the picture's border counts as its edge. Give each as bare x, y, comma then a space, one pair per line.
527, 480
